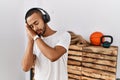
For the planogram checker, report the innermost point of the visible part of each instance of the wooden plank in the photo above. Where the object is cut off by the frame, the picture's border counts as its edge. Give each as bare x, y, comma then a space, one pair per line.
71, 79
98, 74
87, 78
75, 58
74, 47
97, 61
99, 67
73, 62
74, 77
99, 56
74, 67
73, 71
113, 50
76, 53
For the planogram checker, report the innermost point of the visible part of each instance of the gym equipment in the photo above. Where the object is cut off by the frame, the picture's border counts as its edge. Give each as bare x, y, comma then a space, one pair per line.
95, 38
106, 44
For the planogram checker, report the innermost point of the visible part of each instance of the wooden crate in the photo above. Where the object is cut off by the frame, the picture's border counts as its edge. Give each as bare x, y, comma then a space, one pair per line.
92, 63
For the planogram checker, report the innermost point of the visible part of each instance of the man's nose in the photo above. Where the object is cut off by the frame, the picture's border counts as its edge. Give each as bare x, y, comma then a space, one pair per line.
35, 28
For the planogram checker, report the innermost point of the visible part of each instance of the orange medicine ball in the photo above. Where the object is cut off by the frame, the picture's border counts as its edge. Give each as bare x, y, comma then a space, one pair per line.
95, 38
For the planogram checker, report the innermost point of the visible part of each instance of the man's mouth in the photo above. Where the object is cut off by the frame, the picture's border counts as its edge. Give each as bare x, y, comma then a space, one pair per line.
39, 32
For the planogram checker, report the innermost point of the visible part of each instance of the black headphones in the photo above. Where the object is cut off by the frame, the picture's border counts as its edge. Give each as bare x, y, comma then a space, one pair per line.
106, 44
45, 15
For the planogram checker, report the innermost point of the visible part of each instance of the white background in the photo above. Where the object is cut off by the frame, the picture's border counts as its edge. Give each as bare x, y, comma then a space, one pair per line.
81, 16
12, 39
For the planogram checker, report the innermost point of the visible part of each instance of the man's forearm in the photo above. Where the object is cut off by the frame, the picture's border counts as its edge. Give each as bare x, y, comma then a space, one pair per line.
51, 53
28, 58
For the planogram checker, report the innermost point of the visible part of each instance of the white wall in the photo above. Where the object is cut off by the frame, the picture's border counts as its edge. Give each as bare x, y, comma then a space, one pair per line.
84, 17
12, 39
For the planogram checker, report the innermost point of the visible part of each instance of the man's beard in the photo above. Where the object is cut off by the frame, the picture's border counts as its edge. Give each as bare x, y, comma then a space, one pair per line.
43, 32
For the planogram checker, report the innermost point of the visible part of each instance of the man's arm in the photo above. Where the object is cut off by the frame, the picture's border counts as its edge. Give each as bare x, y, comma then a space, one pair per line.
51, 53
29, 57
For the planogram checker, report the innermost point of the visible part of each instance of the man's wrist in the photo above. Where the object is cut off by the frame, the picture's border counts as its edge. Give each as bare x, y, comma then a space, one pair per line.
36, 37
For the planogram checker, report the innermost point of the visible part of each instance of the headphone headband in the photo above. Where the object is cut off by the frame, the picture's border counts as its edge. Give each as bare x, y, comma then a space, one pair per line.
45, 16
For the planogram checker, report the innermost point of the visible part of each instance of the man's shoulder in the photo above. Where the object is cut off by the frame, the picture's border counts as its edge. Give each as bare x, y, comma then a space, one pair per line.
63, 33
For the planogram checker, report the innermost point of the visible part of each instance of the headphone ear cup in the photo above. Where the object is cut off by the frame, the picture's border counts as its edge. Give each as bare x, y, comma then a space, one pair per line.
46, 18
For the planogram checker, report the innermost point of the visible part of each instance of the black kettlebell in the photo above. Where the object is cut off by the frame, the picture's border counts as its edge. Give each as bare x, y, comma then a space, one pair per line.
106, 44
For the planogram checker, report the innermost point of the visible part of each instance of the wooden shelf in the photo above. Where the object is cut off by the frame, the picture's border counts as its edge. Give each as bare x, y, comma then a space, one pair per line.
92, 63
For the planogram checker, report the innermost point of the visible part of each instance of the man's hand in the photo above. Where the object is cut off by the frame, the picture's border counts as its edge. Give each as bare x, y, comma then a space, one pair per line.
30, 32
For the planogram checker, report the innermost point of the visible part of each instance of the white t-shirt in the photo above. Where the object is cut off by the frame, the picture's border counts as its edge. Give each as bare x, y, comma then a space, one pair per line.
47, 70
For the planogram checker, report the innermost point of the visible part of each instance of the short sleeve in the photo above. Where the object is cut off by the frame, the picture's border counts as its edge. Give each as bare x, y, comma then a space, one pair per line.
64, 40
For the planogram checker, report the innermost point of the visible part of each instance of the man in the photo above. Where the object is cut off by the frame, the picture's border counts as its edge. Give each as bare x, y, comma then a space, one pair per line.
46, 49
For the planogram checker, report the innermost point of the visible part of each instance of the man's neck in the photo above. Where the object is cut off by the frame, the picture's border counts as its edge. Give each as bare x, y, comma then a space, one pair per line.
48, 31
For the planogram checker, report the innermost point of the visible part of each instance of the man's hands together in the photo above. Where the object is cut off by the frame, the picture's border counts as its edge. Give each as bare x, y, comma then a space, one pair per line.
30, 32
